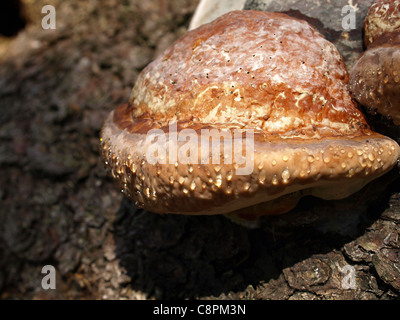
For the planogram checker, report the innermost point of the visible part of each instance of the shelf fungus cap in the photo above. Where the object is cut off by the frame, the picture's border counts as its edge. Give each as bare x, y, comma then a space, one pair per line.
276, 92
375, 77
383, 16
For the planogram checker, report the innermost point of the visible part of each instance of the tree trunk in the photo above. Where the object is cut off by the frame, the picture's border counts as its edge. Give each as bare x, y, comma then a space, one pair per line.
58, 206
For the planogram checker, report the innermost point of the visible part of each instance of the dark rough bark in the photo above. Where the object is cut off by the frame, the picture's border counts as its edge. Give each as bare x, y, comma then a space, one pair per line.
59, 207
301, 255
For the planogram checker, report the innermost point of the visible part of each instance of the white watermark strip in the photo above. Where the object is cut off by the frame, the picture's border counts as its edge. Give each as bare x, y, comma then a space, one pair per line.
210, 146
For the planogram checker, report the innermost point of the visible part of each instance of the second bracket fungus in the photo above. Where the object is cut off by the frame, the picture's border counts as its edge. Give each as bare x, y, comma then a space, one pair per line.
383, 16
375, 77
273, 79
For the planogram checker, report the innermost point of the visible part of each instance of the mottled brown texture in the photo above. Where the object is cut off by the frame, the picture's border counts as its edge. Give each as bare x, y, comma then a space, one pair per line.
255, 70
383, 16
329, 18
375, 78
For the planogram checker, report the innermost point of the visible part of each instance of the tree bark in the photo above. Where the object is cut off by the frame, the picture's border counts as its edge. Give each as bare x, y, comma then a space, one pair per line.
59, 207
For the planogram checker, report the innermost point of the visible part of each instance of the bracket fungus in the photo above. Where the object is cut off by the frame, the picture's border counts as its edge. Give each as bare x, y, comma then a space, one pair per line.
375, 77
383, 16
255, 72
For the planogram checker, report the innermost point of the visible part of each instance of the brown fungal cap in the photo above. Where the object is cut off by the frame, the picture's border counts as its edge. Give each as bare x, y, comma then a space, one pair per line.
383, 16
375, 78
248, 70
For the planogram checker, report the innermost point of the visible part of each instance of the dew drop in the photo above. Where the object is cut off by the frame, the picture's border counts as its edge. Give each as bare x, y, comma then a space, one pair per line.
386, 79
371, 157
262, 177
286, 175
218, 181
364, 163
